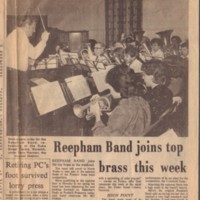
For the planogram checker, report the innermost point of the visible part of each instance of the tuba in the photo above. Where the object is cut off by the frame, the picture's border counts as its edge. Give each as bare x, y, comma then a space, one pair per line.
165, 37
104, 104
166, 40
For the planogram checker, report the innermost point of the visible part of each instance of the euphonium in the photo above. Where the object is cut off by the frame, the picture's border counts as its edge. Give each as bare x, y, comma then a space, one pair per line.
104, 104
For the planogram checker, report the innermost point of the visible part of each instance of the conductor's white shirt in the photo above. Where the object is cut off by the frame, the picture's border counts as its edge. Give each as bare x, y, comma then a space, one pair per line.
19, 50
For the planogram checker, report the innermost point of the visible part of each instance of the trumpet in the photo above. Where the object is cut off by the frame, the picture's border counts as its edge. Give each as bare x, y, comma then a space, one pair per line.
82, 111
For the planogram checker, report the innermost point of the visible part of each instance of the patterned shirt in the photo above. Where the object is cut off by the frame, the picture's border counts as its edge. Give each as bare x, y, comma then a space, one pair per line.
130, 118
159, 99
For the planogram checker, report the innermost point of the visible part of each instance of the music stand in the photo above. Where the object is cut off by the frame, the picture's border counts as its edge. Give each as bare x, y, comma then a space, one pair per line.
48, 63
78, 87
48, 97
99, 78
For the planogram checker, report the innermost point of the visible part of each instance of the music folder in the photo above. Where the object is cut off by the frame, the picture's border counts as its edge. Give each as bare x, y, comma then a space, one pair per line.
78, 87
99, 78
48, 97
69, 58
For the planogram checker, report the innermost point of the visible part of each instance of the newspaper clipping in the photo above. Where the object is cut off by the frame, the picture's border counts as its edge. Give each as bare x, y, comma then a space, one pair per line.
99, 99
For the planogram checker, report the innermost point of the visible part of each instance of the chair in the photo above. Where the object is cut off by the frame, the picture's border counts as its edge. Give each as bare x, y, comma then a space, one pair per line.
161, 125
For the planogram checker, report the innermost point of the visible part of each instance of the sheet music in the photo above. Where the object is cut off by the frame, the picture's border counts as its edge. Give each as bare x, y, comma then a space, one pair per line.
52, 62
48, 97
100, 66
73, 55
91, 65
64, 56
41, 65
78, 87
39, 81
99, 79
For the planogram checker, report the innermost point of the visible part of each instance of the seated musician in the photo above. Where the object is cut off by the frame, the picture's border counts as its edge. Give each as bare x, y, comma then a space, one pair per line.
118, 54
158, 95
92, 43
156, 45
178, 74
99, 54
175, 43
184, 51
84, 55
132, 115
179, 86
126, 41
129, 41
18, 52
85, 60
131, 54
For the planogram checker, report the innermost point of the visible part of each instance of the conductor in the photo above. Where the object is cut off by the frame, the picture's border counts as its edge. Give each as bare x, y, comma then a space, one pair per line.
18, 52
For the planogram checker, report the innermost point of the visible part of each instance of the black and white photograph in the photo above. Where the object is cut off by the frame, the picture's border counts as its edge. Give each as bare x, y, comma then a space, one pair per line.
97, 67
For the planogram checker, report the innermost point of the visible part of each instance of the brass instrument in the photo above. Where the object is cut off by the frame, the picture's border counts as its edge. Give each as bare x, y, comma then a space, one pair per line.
138, 35
108, 58
166, 40
146, 49
114, 56
104, 104
135, 38
118, 61
165, 37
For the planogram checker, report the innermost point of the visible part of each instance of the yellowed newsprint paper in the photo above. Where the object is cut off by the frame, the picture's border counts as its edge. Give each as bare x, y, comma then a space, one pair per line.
99, 99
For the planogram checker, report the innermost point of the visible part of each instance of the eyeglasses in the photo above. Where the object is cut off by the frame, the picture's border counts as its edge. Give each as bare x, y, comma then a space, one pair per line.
97, 47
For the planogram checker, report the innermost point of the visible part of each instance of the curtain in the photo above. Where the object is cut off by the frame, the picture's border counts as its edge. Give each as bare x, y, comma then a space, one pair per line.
122, 16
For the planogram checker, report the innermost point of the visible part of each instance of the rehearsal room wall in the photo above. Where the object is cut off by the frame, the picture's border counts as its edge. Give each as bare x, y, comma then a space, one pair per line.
160, 15
73, 15
68, 15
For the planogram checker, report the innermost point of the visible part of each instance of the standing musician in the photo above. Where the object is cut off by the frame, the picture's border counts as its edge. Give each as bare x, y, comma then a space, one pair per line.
18, 52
